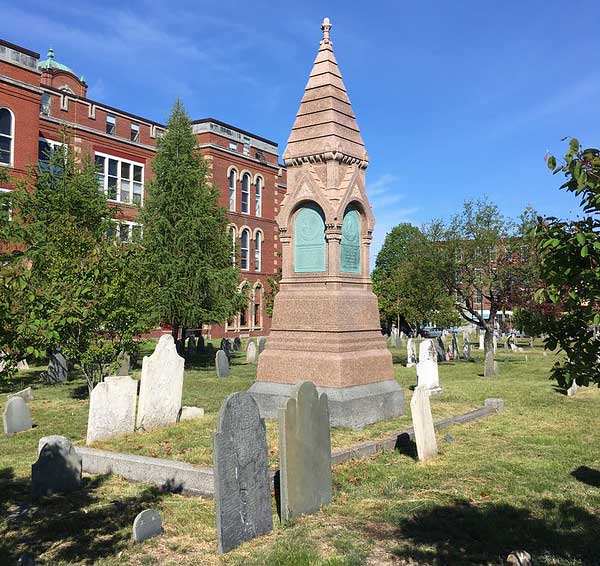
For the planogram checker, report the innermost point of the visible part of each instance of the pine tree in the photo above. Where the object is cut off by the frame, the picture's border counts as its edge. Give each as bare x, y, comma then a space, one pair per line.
187, 257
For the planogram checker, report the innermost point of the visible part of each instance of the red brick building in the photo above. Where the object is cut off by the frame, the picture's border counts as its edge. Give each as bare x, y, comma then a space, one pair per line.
38, 99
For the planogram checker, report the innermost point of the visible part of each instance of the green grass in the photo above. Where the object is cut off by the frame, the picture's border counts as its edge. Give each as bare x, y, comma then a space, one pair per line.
526, 479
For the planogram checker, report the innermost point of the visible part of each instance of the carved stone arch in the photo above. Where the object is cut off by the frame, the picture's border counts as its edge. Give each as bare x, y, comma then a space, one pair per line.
258, 231
356, 195
230, 169
257, 177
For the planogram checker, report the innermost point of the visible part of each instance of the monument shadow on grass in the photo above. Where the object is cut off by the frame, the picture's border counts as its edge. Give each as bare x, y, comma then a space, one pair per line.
470, 535
62, 523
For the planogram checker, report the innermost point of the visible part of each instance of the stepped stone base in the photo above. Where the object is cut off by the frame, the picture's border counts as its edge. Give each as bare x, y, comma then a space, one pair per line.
349, 407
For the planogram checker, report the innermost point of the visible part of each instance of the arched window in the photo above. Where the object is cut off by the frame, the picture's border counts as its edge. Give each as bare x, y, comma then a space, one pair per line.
245, 249
232, 236
350, 248
232, 182
309, 240
257, 251
258, 307
246, 193
258, 196
6, 136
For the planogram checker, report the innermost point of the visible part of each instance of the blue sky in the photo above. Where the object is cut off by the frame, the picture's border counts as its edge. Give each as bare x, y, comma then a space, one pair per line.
454, 99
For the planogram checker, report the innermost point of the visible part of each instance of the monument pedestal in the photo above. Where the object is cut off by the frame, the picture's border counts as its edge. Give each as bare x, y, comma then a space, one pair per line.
349, 407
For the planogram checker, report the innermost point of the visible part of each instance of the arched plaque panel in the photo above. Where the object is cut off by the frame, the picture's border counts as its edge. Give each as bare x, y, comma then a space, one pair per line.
350, 248
309, 240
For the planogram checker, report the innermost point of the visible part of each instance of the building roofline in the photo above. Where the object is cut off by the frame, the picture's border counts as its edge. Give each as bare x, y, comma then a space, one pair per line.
19, 48
106, 106
231, 127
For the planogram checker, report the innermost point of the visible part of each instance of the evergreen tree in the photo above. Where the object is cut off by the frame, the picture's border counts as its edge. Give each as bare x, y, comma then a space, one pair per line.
187, 248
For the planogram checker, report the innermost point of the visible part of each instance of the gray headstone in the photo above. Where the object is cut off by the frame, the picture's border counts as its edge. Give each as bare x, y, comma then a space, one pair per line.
161, 386
237, 344
251, 352
146, 525
262, 342
427, 368
222, 364
112, 408
241, 471
58, 468
25, 394
411, 353
200, 344
191, 347
58, 368
441, 349
22, 365
489, 368
467, 348
190, 413
455, 350
420, 410
304, 452
16, 417
123, 363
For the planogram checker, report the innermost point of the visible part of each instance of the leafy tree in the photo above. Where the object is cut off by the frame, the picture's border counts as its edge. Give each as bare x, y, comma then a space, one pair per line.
401, 280
187, 250
479, 251
570, 267
64, 283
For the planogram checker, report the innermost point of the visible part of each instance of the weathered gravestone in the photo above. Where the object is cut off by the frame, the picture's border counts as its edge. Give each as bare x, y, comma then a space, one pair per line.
467, 348
58, 468
411, 353
440, 348
22, 365
16, 417
191, 413
237, 344
420, 410
251, 352
242, 484
222, 364
200, 344
481, 341
455, 350
112, 408
58, 368
262, 342
490, 367
123, 363
304, 452
191, 347
161, 386
572, 390
427, 368
25, 394
146, 525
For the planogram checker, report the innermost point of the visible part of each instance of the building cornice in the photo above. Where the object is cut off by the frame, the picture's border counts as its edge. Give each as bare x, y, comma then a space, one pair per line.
20, 84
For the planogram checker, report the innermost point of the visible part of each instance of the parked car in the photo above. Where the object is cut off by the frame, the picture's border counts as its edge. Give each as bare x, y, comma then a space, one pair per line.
431, 332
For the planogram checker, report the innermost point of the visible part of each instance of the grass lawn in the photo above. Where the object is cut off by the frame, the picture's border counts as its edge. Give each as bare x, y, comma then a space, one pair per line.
527, 479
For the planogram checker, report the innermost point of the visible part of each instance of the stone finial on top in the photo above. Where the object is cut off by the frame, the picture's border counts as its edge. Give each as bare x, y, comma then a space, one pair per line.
326, 27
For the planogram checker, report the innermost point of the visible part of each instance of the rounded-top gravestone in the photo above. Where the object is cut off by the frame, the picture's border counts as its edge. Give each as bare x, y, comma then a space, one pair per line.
147, 524
16, 416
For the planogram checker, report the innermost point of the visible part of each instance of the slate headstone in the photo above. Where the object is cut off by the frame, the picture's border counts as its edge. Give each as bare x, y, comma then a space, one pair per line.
161, 386
112, 408
17, 416
262, 342
420, 409
146, 525
25, 394
237, 344
200, 344
455, 350
58, 468
58, 368
441, 349
304, 452
251, 352
411, 353
467, 348
222, 364
241, 471
191, 347
123, 363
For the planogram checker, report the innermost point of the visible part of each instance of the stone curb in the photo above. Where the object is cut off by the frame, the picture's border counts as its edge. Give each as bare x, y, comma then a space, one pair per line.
181, 477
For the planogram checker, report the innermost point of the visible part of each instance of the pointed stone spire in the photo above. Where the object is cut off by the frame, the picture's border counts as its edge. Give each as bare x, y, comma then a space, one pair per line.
325, 127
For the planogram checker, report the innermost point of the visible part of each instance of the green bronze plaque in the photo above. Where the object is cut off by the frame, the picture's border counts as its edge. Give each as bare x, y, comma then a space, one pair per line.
309, 241
350, 248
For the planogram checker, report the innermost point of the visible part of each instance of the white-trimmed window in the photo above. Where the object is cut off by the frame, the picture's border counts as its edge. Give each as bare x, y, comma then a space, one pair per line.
232, 186
135, 132
5, 206
46, 149
246, 193
128, 232
245, 249
120, 179
111, 124
45, 105
258, 196
257, 250
7, 136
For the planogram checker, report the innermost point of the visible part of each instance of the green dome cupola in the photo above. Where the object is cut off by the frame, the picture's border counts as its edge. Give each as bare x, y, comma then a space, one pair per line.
51, 63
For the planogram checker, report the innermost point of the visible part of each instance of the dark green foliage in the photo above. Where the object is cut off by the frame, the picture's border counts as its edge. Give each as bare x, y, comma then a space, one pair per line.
570, 263
187, 250
64, 283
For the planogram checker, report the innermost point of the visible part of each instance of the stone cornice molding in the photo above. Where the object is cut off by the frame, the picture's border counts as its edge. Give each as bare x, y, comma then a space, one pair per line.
325, 156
